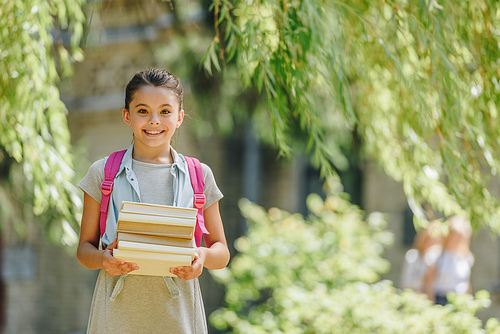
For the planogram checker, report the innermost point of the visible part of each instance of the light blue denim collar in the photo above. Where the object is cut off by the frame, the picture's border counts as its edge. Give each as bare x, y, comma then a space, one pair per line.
179, 161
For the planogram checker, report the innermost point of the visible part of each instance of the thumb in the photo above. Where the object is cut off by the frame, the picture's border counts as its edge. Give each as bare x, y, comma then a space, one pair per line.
113, 245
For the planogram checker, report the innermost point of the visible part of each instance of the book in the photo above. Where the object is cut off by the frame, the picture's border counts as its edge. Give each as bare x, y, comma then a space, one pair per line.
152, 263
155, 239
157, 209
184, 232
156, 219
139, 246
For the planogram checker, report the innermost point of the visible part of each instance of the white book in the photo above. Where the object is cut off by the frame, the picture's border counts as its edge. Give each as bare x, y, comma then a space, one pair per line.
139, 246
152, 264
153, 239
156, 219
157, 209
165, 230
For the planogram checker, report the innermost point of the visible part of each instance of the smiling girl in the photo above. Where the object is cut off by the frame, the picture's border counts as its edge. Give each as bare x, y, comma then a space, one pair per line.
151, 171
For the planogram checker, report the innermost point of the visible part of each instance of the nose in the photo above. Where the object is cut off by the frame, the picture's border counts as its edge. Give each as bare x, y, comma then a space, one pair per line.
154, 120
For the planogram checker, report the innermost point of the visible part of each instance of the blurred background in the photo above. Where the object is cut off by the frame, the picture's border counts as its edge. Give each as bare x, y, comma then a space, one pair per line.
228, 127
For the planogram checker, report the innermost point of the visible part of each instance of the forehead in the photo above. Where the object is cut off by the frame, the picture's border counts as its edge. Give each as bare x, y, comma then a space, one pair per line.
154, 96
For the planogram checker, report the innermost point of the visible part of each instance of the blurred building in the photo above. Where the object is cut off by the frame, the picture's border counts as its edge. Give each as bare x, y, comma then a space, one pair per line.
47, 291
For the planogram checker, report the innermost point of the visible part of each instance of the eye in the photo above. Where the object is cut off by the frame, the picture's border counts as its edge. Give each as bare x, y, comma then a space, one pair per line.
165, 111
142, 111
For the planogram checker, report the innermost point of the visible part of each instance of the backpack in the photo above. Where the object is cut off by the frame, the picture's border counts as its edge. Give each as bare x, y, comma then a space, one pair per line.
197, 182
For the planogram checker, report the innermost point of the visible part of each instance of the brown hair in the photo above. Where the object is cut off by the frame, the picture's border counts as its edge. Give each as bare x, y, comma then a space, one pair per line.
156, 78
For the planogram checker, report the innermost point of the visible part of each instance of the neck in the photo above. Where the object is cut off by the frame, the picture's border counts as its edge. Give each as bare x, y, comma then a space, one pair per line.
156, 155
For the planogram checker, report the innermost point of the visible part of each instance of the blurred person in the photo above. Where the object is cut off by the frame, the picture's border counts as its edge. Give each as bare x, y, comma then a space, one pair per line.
425, 251
452, 270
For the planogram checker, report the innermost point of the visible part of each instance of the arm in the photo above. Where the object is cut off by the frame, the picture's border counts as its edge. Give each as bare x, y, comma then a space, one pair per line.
216, 254
429, 283
88, 253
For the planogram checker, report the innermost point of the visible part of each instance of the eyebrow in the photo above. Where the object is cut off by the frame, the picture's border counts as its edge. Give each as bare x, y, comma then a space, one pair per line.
145, 105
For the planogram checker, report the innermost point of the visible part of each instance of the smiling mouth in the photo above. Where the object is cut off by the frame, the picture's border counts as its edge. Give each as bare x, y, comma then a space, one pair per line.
153, 132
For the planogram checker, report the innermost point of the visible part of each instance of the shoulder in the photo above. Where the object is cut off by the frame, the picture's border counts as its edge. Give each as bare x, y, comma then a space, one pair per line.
206, 170
95, 173
91, 183
97, 168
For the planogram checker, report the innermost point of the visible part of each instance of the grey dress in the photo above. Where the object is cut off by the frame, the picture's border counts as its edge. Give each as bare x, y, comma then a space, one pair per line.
145, 304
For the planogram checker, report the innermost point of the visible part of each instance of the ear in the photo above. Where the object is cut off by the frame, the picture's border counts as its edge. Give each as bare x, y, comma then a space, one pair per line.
180, 118
126, 116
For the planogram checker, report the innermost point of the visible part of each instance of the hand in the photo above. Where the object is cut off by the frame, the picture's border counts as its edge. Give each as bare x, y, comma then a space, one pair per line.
192, 271
114, 266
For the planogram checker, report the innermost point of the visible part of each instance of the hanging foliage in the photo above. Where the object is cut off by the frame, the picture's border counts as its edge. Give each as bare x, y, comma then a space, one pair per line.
417, 81
38, 42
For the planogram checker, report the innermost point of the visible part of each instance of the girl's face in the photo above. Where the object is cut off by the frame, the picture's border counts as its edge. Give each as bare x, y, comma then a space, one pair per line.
154, 115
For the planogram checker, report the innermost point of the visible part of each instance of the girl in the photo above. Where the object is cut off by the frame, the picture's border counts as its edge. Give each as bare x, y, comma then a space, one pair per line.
151, 172
452, 270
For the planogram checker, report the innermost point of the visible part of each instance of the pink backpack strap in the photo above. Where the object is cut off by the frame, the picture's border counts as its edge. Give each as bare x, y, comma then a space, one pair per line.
110, 169
198, 183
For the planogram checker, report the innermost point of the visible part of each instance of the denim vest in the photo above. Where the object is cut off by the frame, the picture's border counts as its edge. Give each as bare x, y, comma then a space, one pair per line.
126, 188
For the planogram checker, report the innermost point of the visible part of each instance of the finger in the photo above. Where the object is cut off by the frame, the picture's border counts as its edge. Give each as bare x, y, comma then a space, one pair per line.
188, 272
113, 245
127, 270
130, 265
182, 276
109, 258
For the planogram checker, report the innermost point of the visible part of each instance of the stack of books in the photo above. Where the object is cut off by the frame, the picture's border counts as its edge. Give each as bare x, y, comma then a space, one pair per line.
156, 237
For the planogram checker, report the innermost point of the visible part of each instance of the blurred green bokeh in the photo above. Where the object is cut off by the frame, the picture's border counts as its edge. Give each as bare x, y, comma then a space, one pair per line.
321, 274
